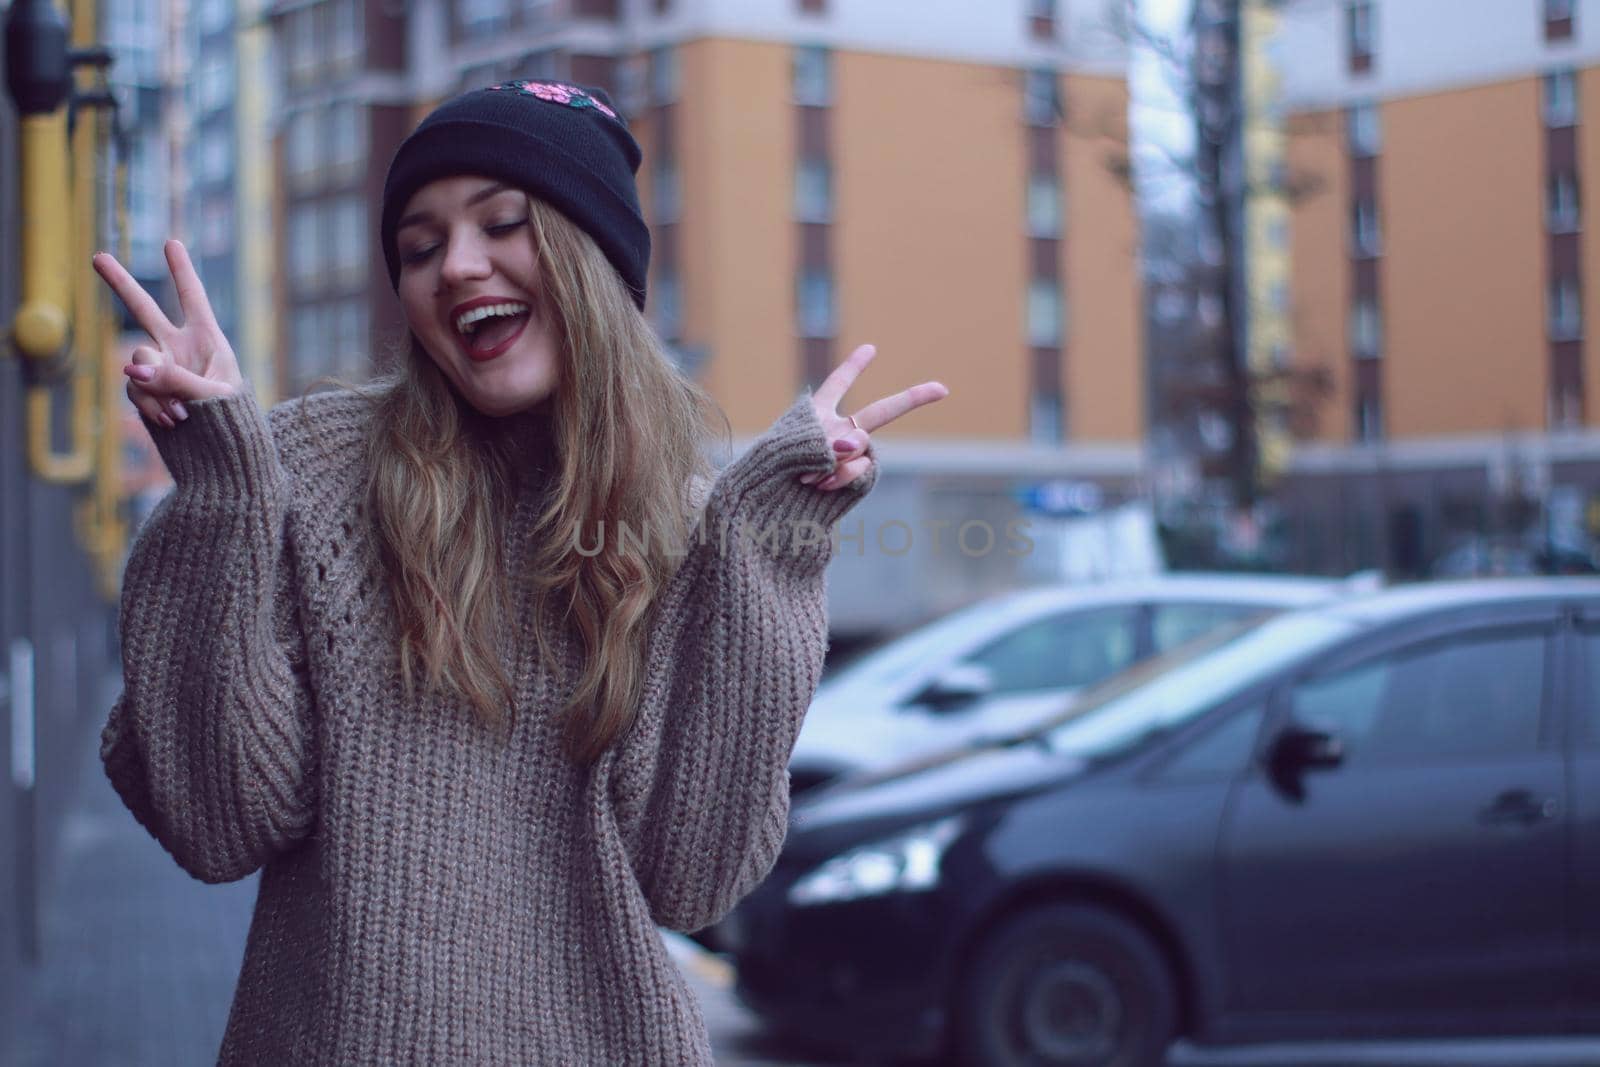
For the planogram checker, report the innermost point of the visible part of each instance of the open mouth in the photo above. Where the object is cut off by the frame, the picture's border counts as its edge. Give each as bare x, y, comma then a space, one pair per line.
489, 329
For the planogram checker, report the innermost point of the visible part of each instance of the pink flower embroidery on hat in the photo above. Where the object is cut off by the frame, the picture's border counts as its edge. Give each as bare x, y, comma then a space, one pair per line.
557, 93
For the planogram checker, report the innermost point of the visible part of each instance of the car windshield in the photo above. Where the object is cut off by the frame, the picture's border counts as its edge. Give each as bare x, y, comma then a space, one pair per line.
891, 661
1171, 689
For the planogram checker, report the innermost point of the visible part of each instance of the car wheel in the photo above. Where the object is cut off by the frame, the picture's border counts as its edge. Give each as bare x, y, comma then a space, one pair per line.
1065, 986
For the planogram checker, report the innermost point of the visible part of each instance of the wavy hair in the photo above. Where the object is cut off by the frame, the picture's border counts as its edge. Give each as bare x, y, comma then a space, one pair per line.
627, 429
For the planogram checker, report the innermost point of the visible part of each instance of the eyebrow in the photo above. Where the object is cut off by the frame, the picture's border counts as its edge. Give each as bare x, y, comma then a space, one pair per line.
417, 218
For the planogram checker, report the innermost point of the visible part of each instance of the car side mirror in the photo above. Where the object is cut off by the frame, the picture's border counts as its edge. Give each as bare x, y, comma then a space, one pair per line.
957, 686
1301, 748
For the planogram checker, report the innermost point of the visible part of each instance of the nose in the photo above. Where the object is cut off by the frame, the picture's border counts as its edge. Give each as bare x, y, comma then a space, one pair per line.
465, 259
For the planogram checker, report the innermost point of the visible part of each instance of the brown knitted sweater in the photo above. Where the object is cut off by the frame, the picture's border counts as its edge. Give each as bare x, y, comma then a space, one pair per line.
432, 892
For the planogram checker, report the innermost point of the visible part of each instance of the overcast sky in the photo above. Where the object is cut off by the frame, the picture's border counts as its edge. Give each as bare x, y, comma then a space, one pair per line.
1159, 118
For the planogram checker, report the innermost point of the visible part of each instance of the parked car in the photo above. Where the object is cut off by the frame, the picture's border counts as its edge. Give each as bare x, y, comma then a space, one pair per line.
1378, 818
1005, 663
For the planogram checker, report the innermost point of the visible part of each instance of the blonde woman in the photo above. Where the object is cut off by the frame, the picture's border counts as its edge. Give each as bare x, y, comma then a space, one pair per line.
394, 648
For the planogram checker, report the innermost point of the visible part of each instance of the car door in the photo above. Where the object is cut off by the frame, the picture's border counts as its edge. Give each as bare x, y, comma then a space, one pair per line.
1420, 883
1035, 668
1585, 763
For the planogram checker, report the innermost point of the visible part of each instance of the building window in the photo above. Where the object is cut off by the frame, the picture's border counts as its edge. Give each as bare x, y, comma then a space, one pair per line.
1361, 34
1361, 127
344, 54
666, 192
663, 75
305, 247
348, 242
813, 76
813, 191
1562, 209
1558, 19
303, 148
1566, 310
304, 58
1560, 99
306, 333
1044, 206
480, 18
1364, 230
1369, 418
1041, 102
1366, 329
1044, 418
219, 294
213, 15
213, 84
350, 356
214, 156
216, 228
346, 140
667, 295
1566, 406
1044, 313
1042, 9
816, 312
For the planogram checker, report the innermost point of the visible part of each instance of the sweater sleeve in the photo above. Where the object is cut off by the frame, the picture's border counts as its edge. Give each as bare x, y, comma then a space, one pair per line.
210, 744
701, 782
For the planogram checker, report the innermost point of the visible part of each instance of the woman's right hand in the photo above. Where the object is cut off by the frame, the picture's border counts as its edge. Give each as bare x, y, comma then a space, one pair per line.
189, 362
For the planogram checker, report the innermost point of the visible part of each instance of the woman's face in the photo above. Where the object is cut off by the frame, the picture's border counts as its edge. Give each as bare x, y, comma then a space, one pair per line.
469, 285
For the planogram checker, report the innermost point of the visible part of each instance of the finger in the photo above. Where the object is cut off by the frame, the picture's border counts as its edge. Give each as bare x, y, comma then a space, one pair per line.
148, 406
141, 305
833, 388
170, 380
850, 443
845, 473
191, 293
880, 413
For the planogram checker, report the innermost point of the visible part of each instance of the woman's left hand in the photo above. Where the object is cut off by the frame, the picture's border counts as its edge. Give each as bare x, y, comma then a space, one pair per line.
848, 435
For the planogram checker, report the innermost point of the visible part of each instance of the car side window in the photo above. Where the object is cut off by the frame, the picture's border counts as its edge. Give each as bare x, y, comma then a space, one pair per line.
1177, 624
1468, 695
1064, 651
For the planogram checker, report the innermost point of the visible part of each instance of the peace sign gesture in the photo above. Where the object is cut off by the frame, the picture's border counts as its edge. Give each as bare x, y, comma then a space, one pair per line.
848, 435
189, 362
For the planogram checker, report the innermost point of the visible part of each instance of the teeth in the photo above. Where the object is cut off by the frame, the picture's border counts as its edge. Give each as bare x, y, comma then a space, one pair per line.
487, 311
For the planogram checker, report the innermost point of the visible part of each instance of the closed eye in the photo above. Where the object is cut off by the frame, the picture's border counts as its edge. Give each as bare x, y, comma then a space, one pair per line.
418, 254
503, 228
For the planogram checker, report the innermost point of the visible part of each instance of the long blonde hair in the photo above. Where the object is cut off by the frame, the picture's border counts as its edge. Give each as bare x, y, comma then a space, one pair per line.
628, 430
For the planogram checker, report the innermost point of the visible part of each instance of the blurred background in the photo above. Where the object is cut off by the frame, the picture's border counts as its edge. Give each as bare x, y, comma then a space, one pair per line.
1265, 285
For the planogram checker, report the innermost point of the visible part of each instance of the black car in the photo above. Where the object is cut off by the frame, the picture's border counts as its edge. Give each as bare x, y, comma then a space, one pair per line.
1379, 818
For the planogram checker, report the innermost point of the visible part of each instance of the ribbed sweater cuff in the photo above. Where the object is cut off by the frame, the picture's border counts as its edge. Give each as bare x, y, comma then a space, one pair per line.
768, 476
224, 448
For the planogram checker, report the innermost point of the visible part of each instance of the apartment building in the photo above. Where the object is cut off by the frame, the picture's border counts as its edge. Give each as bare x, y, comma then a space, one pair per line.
1441, 266
929, 177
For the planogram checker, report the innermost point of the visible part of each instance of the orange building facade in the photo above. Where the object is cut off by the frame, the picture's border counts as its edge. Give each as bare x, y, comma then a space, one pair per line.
1445, 158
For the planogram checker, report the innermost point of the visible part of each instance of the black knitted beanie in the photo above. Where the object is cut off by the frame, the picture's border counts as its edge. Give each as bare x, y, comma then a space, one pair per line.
563, 143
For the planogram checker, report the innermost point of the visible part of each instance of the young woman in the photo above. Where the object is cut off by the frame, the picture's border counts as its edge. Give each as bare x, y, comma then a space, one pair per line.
394, 649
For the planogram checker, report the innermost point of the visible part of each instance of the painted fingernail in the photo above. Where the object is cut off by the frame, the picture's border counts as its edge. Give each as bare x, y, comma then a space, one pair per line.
843, 444
139, 372
179, 410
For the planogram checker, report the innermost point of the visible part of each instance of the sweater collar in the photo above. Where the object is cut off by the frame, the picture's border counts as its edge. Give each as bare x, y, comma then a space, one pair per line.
528, 437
